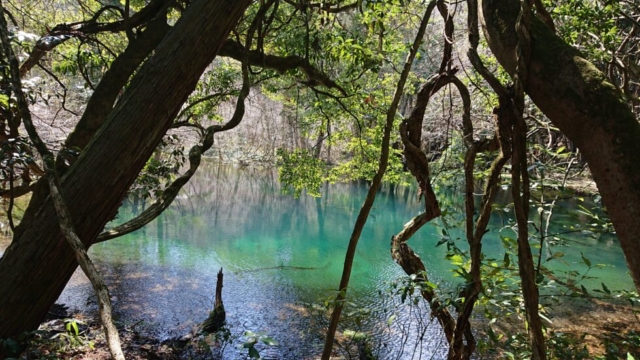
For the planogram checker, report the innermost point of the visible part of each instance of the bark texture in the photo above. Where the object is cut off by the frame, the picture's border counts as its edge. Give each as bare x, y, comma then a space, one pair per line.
588, 109
66, 223
99, 105
38, 264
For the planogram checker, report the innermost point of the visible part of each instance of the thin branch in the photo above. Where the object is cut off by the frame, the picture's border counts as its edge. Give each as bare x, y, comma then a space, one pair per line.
323, 6
17, 191
201, 100
64, 89
195, 157
63, 32
280, 64
64, 217
373, 189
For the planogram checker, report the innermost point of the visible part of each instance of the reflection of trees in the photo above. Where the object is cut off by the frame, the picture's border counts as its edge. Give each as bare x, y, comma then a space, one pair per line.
220, 195
227, 203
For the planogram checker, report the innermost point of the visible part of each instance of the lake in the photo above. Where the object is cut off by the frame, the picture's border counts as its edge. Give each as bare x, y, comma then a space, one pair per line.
282, 254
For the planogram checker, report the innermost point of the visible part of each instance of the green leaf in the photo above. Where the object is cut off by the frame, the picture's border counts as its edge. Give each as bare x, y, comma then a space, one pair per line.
506, 260
253, 353
605, 289
585, 260
4, 101
456, 259
584, 289
391, 319
72, 327
269, 341
251, 341
492, 335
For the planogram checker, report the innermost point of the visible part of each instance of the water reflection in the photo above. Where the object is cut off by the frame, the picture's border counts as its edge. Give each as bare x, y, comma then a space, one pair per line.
279, 253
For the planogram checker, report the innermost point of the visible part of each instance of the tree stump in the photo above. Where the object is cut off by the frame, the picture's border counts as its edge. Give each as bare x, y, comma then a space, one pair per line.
217, 316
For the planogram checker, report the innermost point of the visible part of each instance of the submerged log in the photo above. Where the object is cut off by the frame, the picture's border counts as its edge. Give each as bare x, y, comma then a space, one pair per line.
289, 267
217, 316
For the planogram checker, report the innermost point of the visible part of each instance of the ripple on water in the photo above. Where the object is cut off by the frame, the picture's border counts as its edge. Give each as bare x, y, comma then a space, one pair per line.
163, 276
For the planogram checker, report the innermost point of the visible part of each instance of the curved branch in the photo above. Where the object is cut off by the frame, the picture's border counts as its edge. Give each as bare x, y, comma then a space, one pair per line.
324, 6
201, 100
195, 157
375, 184
472, 52
280, 64
17, 191
64, 32
411, 135
412, 265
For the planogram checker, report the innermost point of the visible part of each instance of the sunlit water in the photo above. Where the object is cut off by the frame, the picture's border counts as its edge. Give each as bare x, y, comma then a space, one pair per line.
280, 254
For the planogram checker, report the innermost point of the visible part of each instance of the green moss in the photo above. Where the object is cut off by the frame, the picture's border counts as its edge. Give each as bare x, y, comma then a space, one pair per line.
571, 90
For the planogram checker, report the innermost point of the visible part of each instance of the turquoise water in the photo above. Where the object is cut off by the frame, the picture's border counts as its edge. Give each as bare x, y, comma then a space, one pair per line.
280, 254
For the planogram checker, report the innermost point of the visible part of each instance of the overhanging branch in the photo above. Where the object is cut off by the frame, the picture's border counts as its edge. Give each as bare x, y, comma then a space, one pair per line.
63, 32
281, 64
195, 157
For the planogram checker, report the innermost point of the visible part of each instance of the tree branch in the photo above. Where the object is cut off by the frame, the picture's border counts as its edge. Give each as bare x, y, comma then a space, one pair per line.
375, 184
195, 157
280, 64
17, 191
64, 32
324, 6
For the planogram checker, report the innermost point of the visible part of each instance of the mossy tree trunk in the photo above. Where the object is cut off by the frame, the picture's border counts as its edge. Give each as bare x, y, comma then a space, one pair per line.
39, 262
588, 109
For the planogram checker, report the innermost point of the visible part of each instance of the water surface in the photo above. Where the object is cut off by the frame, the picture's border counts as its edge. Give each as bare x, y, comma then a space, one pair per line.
280, 254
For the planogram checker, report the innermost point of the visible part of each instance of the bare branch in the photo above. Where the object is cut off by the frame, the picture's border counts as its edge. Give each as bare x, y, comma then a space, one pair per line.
280, 64
64, 32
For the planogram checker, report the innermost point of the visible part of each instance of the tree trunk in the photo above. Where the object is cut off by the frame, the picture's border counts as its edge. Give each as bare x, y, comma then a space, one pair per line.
38, 264
588, 109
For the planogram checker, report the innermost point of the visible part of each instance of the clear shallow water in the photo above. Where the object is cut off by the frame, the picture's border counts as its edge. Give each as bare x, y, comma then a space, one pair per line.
163, 276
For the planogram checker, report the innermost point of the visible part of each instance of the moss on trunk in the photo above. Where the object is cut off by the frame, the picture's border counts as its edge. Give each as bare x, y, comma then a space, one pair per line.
588, 109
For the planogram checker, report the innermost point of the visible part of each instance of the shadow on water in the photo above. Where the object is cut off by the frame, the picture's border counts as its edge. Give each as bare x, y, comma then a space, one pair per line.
278, 254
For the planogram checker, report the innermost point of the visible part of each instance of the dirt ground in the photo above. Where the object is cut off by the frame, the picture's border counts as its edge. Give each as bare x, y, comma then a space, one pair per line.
592, 323
600, 324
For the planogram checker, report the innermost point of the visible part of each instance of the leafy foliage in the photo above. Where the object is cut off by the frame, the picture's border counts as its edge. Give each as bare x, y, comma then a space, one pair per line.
300, 170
